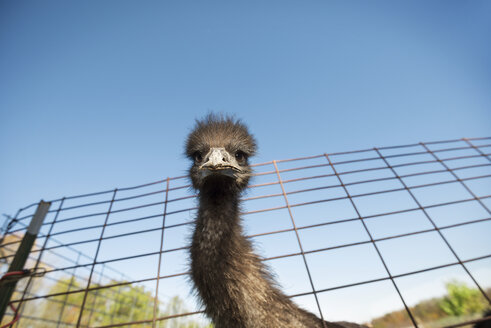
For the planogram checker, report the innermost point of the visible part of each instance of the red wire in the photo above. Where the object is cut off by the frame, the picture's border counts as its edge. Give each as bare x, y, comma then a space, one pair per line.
16, 317
12, 273
16, 314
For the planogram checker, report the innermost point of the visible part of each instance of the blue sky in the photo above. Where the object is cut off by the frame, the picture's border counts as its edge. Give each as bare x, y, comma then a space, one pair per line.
101, 94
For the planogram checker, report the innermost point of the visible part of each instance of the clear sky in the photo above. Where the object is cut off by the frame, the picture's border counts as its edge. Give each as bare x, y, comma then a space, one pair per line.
101, 94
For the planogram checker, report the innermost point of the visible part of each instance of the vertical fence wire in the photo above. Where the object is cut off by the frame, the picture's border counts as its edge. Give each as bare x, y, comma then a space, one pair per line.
466, 140
299, 242
156, 304
79, 321
65, 297
94, 299
413, 320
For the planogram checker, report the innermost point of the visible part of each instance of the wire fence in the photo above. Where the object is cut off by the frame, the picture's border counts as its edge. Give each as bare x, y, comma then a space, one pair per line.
366, 236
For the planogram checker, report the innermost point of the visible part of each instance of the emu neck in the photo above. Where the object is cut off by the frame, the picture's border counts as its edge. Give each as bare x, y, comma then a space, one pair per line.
222, 263
236, 289
218, 223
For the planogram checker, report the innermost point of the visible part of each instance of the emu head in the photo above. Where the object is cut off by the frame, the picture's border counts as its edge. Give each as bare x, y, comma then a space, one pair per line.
219, 148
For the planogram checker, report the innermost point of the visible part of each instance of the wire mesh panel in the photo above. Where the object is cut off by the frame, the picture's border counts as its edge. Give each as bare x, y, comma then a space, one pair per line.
388, 237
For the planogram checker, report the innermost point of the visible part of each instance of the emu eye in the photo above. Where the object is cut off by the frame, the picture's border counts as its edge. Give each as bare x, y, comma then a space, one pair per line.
197, 156
240, 155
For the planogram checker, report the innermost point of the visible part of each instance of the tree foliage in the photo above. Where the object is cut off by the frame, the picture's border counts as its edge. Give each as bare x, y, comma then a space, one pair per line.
462, 300
106, 306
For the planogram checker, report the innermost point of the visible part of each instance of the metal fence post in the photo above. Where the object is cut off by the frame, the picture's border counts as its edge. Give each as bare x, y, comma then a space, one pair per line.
20, 258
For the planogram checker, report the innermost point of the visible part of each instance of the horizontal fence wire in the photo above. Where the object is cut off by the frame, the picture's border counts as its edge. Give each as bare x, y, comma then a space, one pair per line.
107, 252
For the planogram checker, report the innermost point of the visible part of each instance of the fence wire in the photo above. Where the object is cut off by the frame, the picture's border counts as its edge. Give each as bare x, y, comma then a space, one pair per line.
376, 226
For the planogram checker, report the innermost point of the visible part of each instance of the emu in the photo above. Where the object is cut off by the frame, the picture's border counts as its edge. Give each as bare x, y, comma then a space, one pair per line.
233, 284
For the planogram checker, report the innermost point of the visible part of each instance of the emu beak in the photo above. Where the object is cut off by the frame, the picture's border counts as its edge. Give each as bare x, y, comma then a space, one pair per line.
219, 161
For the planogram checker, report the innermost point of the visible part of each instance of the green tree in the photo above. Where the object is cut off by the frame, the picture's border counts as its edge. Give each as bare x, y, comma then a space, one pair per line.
106, 306
460, 303
462, 300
